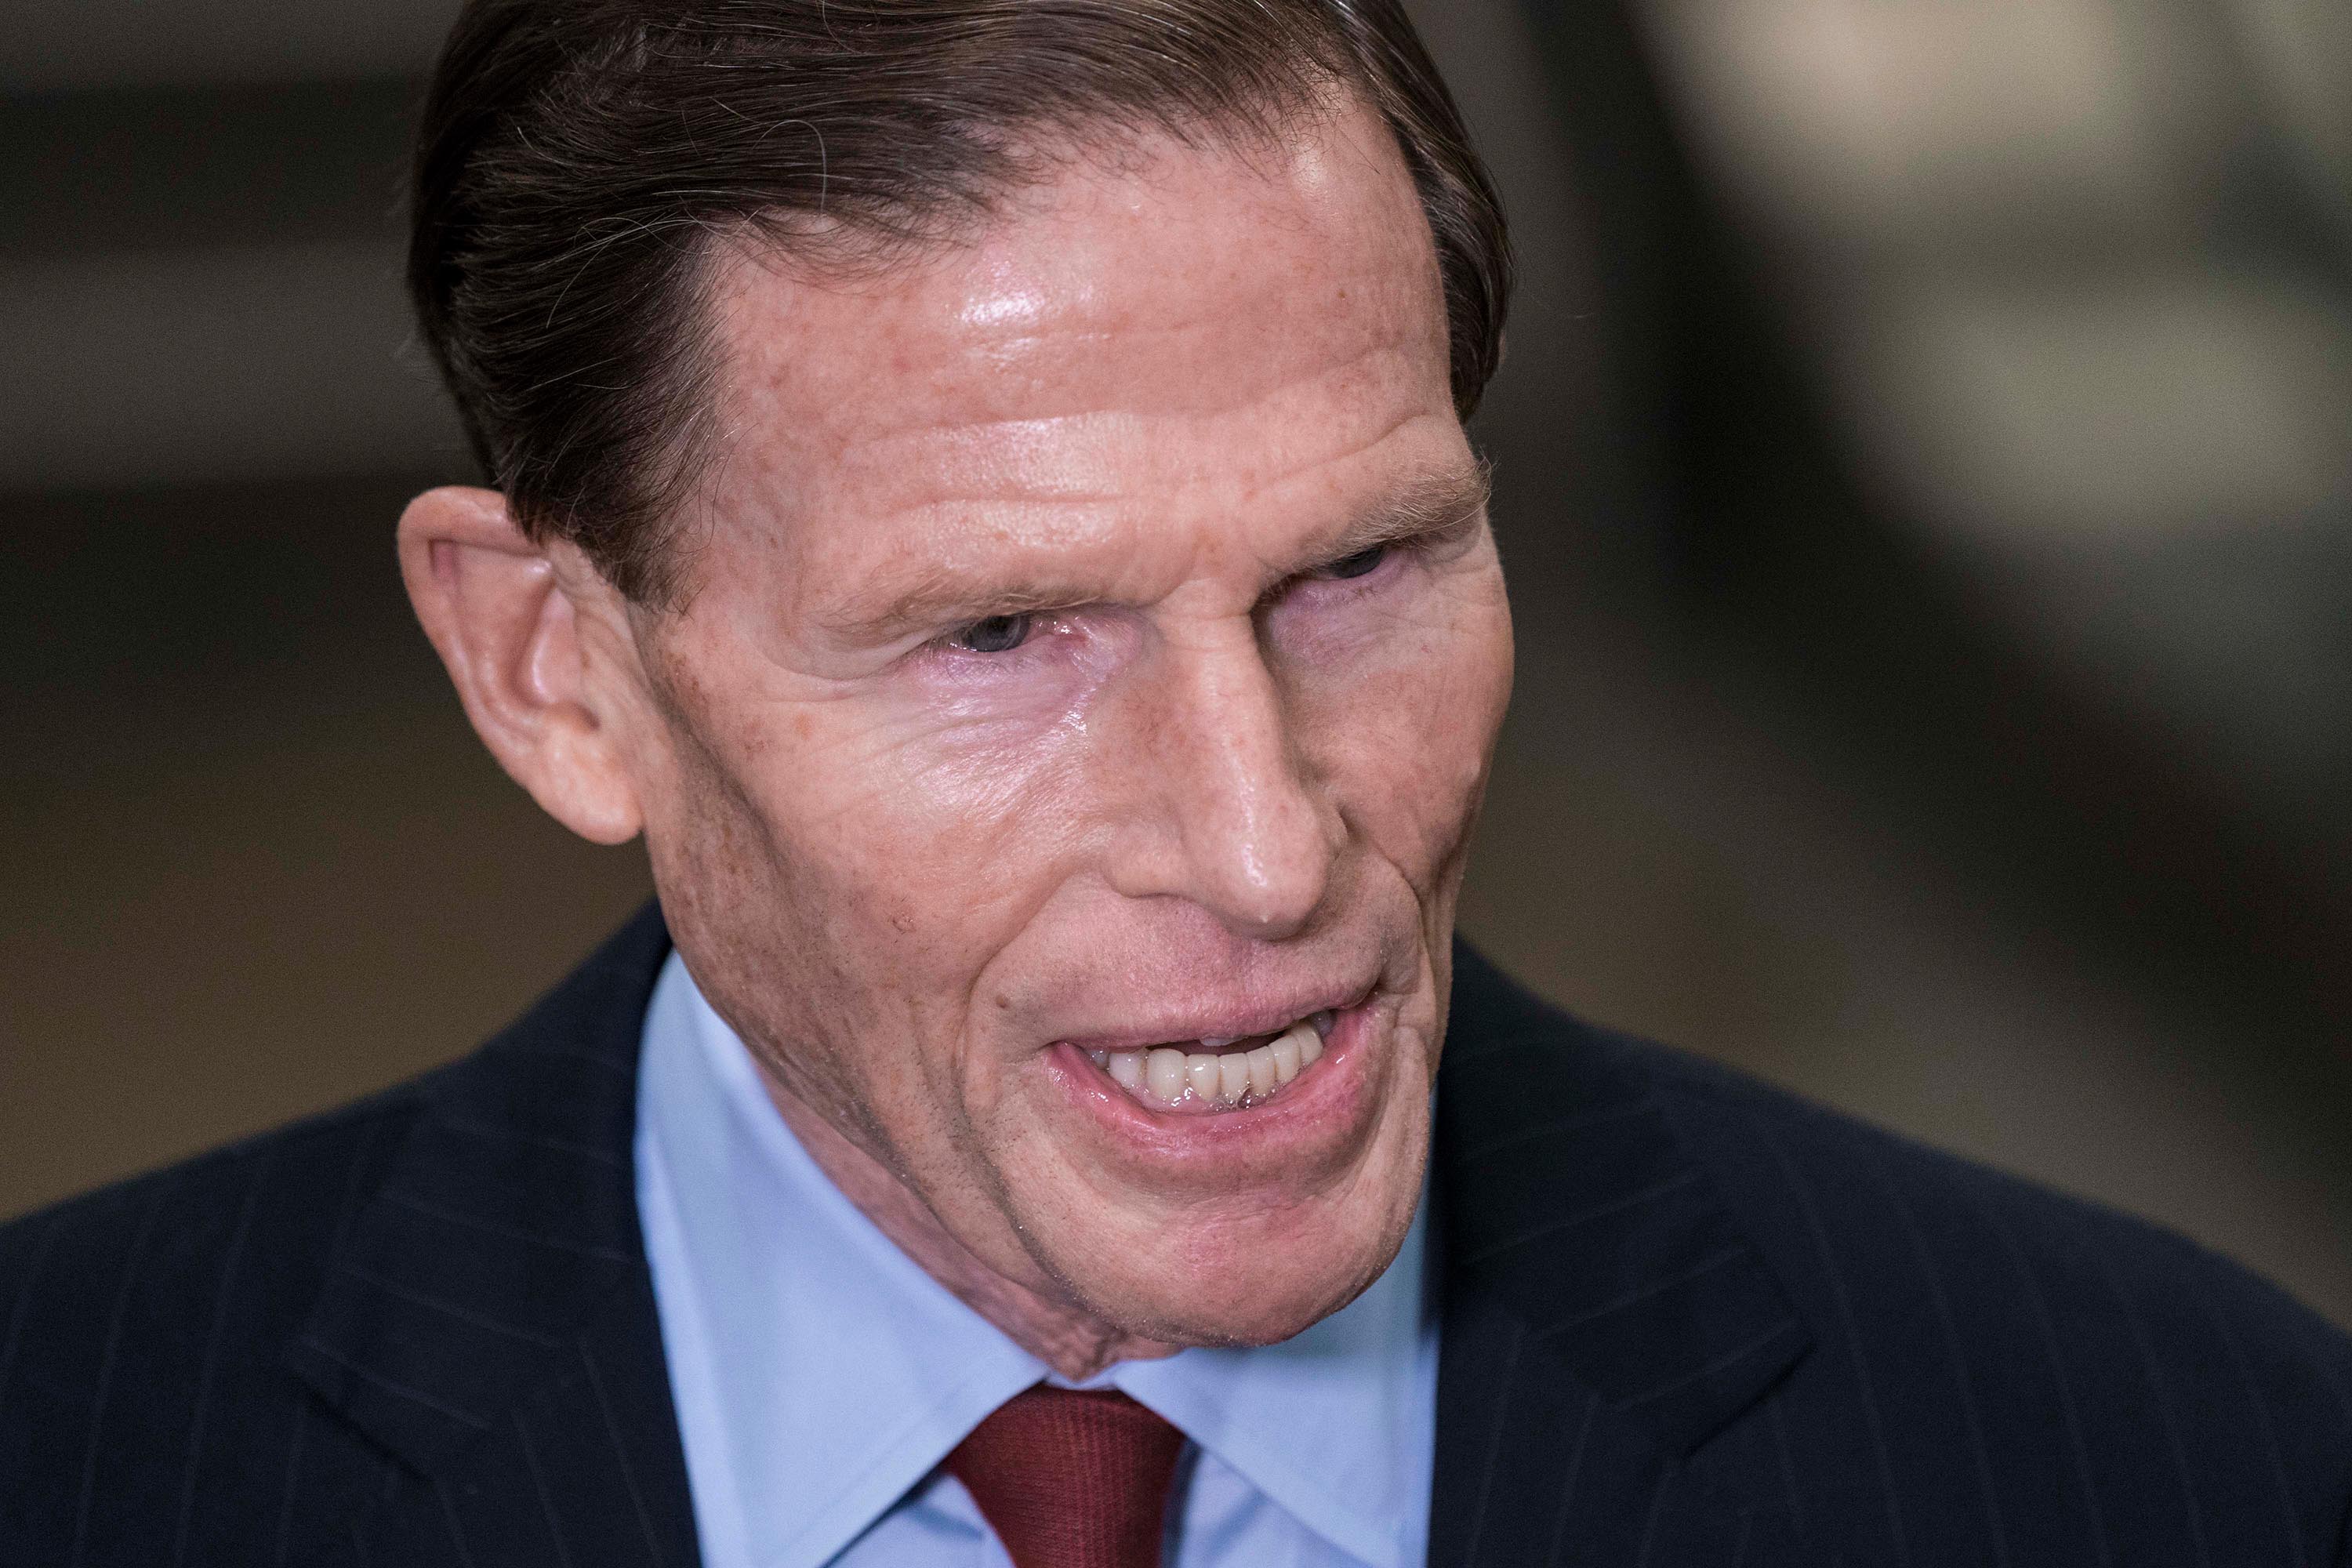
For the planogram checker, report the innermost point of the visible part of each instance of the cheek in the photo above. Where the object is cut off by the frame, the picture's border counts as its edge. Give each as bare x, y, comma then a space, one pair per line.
823, 919
1404, 730
955, 825
900, 853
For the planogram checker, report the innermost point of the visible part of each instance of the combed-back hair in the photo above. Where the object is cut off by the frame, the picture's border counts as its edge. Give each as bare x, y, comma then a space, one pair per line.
578, 161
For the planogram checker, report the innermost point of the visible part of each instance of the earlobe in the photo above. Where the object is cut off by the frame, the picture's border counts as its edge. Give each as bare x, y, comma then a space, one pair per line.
508, 632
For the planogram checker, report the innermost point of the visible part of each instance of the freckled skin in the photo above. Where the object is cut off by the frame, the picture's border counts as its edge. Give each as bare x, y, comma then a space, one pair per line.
1151, 392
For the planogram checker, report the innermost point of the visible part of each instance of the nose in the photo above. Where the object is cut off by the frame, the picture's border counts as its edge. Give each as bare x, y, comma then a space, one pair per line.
1222, 808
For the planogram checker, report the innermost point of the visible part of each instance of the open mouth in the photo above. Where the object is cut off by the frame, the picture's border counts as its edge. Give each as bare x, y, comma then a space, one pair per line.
1215, 1074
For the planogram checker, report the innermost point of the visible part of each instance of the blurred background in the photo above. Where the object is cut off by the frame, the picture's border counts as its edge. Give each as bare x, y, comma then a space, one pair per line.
1923, 467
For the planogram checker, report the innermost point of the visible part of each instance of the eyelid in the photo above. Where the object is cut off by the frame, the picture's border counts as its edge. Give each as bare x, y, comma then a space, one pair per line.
1420, 542
1329, 571
1043, 622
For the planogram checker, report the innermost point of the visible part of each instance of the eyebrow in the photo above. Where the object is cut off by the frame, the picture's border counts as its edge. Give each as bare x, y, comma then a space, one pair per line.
1430, 505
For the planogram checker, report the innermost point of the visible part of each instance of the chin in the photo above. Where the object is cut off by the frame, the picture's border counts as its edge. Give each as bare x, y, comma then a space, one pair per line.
1267, 1303
1257, 1268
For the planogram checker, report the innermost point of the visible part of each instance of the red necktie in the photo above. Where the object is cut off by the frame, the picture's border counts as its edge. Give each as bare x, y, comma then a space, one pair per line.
1072, 1477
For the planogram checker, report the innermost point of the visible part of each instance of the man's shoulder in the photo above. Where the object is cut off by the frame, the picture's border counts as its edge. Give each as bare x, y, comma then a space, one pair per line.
1980, 1347
1829, 1195
159, 1350
1992, 1349
1813, 1184
144, 1333
258, 1194
279, 1202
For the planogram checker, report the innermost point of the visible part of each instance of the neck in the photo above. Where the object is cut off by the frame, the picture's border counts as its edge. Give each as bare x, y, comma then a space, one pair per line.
1063, 1334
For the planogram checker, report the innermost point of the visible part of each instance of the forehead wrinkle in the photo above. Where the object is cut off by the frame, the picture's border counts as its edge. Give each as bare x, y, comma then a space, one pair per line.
1147, 452
1061, 331
944, 326
957, 382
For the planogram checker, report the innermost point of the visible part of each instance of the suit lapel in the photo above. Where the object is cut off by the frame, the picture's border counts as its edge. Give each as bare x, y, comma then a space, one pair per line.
1603, 1315
490, 1320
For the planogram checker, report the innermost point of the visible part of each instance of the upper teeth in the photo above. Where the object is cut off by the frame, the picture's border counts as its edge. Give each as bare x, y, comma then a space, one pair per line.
1214, 1076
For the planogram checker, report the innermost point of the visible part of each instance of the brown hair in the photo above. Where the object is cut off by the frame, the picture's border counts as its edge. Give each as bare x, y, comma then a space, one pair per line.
577, 157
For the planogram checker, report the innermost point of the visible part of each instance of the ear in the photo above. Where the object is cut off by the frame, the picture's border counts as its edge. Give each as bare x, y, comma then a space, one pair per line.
509, 633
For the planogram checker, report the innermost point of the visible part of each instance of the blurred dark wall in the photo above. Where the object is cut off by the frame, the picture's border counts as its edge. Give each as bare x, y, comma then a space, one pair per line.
1932, 695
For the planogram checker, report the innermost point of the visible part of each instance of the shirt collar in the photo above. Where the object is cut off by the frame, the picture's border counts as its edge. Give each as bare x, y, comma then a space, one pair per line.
820, 1372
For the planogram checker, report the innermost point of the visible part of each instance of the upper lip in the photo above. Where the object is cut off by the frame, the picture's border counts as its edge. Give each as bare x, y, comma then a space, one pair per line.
1237, 1020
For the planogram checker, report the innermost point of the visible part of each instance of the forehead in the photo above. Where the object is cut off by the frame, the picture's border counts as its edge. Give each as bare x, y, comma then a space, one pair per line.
1178, 325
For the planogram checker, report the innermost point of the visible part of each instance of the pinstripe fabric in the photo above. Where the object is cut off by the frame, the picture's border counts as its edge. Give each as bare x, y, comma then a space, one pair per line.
418, 1331
1688, 1320
1799, 1340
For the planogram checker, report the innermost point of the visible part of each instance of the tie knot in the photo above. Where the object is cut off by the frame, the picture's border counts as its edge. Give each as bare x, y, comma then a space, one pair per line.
1072, 1477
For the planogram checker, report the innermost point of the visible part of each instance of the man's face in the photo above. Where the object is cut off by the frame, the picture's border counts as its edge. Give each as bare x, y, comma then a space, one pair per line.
1096, 647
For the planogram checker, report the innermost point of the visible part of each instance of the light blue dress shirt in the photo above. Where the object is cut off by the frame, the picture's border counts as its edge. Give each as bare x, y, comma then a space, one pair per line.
821, 1376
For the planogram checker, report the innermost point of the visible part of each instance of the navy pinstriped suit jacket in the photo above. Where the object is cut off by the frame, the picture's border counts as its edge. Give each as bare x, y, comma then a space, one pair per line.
1688, 1320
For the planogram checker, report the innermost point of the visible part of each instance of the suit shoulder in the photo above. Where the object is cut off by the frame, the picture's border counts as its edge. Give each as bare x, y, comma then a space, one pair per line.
1929, 1282
1959, 1311
107, 1218
1842, 1159
1814, 1181
1848, 1176
154, 1252
273, 1207
140, 1318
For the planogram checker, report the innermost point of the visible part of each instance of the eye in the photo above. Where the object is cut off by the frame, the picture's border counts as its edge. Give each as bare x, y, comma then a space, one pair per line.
997, 634
1361, 563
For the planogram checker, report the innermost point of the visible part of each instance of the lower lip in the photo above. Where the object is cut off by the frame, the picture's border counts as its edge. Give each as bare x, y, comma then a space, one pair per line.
1328, 1095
